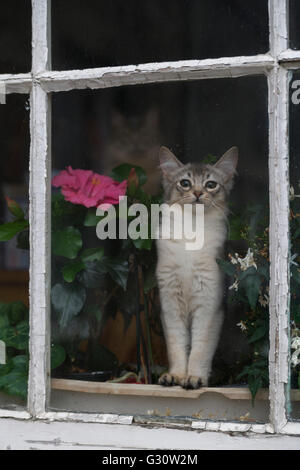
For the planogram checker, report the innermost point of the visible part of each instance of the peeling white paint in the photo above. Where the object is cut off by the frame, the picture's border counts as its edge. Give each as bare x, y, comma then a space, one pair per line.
106, 77
40, 219
279, 217
86, 417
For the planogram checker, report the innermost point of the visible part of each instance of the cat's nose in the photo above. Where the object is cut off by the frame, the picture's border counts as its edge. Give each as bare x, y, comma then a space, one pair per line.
198, 194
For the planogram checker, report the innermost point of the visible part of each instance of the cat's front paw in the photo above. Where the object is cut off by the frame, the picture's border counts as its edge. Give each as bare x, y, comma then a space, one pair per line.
168, 380
192, 382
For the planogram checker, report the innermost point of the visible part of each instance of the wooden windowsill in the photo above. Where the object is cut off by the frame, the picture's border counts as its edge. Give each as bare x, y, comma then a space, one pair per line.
105, 388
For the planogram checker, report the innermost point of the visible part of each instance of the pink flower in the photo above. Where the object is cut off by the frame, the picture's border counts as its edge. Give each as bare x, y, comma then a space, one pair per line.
87, 188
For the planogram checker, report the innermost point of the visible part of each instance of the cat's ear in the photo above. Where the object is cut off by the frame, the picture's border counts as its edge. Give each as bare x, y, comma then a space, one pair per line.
168, 161
228, 162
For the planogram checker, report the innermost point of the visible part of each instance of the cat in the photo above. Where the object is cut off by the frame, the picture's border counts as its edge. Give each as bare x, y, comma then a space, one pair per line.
190, 282
135, 140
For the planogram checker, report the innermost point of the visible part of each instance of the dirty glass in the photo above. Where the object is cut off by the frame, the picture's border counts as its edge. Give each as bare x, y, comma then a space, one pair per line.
294, 243
15, 36
106, 321
294, 18
98, 33
14, 250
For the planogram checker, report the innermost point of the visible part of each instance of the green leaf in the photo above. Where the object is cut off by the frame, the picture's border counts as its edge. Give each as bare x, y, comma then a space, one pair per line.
4, 321
235, 229
259, 333
14, 376
92, 254
143, 244
23, 240
16, 336
95, 311
70, 270
254, 383
252, 285
10, 229
122, 172
68, 300
58, 355
226, 266
14, 208
93, 274
149, 279
118, 270
67, 242
91, 219
247, 272
17, 311
295, 273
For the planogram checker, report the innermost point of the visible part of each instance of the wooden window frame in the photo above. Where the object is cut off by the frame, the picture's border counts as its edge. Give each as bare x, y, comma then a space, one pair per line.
276, 65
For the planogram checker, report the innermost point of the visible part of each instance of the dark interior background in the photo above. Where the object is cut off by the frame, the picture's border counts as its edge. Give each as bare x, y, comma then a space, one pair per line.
294, 31
15, 36
97, 33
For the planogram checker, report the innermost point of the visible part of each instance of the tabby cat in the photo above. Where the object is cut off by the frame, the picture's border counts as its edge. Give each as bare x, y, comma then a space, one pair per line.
190, 282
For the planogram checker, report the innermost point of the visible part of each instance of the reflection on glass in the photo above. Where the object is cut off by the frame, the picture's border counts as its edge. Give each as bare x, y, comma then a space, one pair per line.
15, 36
14, 251
106, 323
294, 18
295, 260
99, 33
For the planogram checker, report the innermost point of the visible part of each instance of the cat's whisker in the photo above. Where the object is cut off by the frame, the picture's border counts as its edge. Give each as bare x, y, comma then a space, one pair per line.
178, 200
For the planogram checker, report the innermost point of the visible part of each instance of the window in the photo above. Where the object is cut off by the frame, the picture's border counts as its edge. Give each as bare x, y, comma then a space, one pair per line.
240, 89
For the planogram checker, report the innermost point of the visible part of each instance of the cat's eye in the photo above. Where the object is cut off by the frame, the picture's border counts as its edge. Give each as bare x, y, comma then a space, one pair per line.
211, 185
186, 184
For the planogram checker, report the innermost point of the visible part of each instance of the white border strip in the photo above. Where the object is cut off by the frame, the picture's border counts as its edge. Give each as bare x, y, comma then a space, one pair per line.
85, 417
16, 414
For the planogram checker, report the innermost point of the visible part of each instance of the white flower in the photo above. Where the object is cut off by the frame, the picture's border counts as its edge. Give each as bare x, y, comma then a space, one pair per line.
248, 261
233, 259
235, 285
242, 325
295, 344
293, 257
295, 359
263, 300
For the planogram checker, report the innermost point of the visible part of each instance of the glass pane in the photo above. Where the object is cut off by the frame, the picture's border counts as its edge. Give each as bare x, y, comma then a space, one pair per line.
294, 33
14, 251
99, 33
15, 36
106, 313
294, 232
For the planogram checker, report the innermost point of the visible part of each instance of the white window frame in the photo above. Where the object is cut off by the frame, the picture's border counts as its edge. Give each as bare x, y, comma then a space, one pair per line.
276, 65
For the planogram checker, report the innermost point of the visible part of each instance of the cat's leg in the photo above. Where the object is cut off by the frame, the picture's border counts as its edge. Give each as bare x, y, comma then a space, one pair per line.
206, 323
177, 338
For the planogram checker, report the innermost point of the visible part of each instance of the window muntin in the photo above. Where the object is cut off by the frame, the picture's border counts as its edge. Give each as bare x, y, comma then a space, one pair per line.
82, 36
